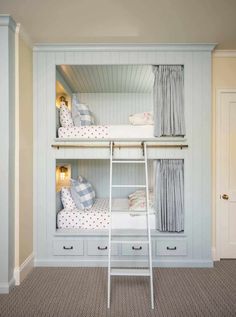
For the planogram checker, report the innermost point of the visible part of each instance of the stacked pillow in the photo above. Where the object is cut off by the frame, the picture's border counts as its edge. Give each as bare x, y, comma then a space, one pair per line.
67, 200
79, 116
142, 118
65, 116
83, 193
80, 196
137, 200
80, 113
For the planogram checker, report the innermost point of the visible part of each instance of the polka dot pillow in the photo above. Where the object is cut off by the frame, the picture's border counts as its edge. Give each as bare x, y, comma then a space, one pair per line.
67, 200
65, 116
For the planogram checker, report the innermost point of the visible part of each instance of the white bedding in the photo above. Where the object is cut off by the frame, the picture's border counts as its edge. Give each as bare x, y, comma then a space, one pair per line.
108, 132
98, 217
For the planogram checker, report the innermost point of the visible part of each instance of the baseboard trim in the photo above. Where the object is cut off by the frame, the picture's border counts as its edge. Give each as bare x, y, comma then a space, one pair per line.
125, 263
21, 272
5, 288
214, 254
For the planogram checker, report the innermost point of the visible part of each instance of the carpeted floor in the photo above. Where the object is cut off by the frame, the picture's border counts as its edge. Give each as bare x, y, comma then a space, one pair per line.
72, 292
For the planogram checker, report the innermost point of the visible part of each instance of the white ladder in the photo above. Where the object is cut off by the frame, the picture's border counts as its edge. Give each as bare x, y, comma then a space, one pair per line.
130, 271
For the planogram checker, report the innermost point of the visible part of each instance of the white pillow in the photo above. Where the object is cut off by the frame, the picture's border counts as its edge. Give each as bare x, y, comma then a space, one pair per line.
67, 200
143, 118
65, 116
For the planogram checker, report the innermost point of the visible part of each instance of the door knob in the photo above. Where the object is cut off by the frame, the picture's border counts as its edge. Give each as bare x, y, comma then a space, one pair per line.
225, 196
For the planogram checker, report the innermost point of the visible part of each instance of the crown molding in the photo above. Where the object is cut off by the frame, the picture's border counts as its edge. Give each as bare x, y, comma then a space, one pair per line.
224, 53
123, 47
6, 20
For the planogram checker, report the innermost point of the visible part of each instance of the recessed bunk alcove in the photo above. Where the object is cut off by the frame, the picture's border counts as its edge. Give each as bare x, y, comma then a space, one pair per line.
116, 101
70, 216
114, 83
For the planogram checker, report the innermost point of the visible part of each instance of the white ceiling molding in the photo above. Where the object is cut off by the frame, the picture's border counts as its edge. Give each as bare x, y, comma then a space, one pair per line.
6, 20
224, 53
124, 47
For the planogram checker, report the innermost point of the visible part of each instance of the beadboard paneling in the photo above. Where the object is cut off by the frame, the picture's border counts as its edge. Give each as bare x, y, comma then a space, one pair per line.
110, 108
108, 78
97, 172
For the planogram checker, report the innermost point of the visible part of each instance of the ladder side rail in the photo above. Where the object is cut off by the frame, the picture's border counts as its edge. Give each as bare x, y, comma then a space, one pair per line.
110, 228
148, 225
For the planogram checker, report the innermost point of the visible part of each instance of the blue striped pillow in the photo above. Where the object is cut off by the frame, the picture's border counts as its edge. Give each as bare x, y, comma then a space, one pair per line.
85, 192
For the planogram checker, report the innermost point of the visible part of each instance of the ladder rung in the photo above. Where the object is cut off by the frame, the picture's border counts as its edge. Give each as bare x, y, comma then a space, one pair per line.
130, 241
129, 162
131, 186
130, 272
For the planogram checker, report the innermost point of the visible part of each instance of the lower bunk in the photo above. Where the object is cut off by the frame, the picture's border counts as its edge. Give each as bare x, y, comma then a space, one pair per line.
98, 217
83, 189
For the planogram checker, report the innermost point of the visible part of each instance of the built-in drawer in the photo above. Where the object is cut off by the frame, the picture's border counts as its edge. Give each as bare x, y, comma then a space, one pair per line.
68, 247
134, 249
100, 247
171, 247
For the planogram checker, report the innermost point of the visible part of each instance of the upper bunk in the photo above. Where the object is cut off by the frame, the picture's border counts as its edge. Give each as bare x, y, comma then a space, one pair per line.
99, 104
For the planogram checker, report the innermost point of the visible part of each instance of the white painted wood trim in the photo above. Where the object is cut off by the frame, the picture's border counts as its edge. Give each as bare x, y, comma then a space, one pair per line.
123, 47
224, 53
219, 92
17, 149
7, 204
6, 20
126, 263
25, 268
5, 288
214, 255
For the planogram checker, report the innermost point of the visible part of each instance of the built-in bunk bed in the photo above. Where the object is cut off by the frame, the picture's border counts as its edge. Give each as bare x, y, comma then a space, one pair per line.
159, 89
103, 98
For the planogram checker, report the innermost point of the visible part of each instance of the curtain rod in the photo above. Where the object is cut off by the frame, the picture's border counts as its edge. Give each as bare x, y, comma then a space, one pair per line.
182, 66
180, 146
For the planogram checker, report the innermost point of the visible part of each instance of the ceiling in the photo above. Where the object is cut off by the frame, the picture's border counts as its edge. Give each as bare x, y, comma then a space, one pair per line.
108, 78
126, 21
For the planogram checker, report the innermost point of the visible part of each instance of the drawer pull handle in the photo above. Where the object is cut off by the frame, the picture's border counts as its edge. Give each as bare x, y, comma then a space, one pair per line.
69, 248
99, 248
136, 249
171, 249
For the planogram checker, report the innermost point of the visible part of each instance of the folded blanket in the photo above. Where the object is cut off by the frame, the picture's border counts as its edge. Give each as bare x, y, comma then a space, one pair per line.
137, 200
142, 118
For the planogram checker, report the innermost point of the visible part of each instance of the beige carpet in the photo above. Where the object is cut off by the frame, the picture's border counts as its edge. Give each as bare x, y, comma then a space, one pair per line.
71, 292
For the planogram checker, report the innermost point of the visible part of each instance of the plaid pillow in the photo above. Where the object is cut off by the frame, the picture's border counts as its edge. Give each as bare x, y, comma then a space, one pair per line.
85, 192
86, 117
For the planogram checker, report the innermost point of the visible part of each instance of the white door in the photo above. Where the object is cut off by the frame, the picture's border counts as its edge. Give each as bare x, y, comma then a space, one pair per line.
226, 149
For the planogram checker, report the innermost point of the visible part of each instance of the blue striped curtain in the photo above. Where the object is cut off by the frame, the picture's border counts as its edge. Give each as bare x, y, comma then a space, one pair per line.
169, 195
168, 100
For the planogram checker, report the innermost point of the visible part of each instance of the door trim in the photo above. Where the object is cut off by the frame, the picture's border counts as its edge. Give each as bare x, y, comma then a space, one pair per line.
219, 93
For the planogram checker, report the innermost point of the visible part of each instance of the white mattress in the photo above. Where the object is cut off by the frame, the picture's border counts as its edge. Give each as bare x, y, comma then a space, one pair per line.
98, 217
107, 132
